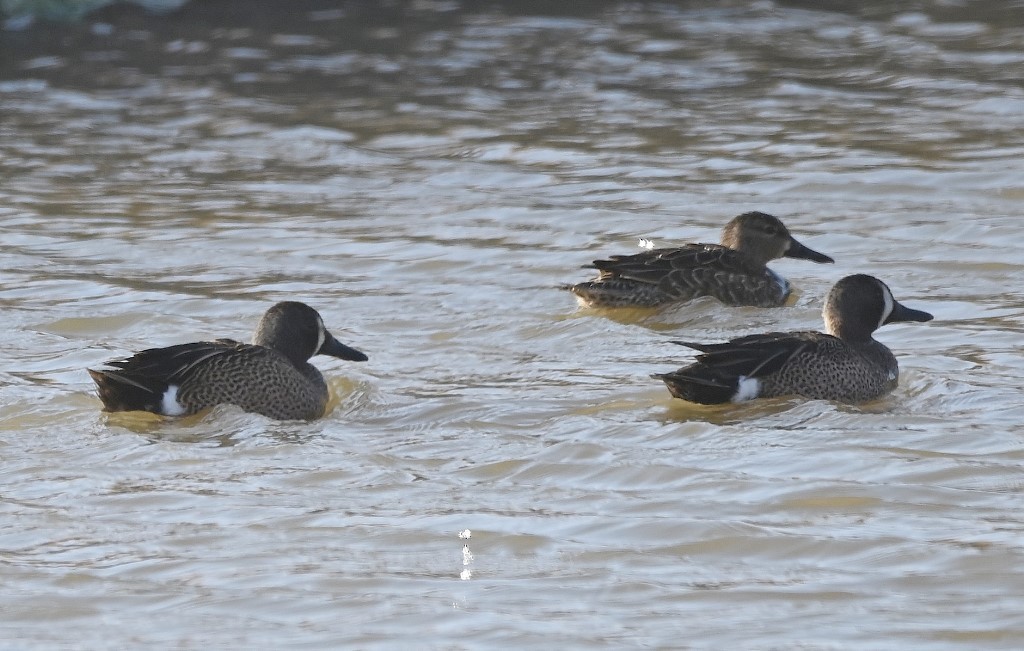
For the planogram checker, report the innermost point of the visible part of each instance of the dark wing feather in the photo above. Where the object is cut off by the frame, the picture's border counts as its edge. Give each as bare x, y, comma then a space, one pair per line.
140, 381
752, 356
170, 364
653, 266
715, 377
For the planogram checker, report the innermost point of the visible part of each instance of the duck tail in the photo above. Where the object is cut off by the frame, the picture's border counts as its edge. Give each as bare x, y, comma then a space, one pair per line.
693, 386
118, 392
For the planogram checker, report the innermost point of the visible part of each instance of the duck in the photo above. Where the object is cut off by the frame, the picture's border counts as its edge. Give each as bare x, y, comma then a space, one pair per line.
271, 376
844, 364
735, 272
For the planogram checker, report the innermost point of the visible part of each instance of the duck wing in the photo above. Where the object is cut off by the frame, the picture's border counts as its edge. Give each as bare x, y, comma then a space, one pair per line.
173, 363
731, 371
654, 265
140, 382
752, 356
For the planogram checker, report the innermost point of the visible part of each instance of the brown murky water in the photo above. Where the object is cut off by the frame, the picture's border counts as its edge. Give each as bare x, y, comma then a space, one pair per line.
426, 175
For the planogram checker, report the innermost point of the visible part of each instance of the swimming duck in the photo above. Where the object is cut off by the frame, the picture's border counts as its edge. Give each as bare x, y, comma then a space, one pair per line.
734, 271
844, 363
271, 376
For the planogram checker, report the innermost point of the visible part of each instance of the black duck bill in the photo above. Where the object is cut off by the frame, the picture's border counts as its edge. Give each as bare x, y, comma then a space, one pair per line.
798, 250
335, 348
901, 312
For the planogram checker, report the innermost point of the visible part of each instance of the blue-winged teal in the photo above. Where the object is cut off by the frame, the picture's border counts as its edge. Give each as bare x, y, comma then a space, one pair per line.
272, 376
846, 365
734, 271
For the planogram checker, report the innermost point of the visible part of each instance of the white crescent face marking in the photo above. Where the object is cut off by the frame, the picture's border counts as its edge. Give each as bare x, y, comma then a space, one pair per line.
169, 405
321, 335
889, 305
747, 389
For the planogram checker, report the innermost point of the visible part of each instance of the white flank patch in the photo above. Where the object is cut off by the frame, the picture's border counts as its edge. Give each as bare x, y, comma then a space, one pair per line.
887, 310
645, 243
748, 388
169, 405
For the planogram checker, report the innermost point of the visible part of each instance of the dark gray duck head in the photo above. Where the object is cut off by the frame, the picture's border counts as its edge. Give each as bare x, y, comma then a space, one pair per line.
859, 304
297, 331
763, 238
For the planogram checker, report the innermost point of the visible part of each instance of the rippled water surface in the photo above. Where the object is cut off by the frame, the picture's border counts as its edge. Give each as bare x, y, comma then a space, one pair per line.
427, 174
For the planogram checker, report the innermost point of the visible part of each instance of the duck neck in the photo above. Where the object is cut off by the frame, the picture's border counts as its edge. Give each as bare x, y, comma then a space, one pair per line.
750, 250
851, 334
